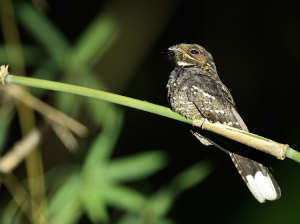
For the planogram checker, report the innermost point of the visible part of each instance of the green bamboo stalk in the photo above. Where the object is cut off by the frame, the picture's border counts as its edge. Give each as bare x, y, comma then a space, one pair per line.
114, 98
110, 97
292, 154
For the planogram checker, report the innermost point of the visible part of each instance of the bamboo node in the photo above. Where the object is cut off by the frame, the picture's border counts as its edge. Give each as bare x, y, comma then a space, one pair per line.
198, 123
3, 73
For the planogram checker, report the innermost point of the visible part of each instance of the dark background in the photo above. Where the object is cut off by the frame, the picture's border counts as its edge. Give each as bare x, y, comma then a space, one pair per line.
255, 48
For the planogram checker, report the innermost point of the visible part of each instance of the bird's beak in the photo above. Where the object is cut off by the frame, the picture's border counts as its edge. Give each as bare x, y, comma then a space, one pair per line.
173, 48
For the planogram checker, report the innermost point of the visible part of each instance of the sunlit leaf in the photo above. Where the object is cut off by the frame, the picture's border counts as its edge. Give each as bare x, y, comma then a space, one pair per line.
94, 203
124, 197
136, 166
64, 204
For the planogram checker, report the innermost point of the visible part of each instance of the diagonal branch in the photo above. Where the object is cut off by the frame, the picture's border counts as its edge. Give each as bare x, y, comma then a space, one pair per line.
278, 150
19, 151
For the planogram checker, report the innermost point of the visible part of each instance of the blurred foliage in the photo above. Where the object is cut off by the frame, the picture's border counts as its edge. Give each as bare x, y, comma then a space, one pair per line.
97, 185
103, 45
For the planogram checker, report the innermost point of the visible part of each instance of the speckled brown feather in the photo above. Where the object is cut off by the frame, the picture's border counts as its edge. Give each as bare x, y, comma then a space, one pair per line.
196, 91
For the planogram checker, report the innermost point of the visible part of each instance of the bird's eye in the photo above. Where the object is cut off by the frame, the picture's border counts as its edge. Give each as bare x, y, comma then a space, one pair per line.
194, 52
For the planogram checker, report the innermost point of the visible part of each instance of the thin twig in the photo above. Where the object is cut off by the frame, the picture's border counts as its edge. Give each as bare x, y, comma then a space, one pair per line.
23, 200
48, 111
19, 151
38, 105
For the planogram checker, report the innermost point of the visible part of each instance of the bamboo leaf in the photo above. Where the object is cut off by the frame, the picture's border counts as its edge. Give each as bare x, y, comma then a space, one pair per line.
94, 42
64, 206
136, 167
161, 202
124, 198
43, 30
103, 145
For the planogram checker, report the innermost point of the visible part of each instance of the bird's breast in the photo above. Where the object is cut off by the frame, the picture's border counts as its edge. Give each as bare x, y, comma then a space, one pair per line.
178, 97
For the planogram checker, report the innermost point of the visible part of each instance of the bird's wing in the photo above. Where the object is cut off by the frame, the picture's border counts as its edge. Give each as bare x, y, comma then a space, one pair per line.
213, 100
215, 103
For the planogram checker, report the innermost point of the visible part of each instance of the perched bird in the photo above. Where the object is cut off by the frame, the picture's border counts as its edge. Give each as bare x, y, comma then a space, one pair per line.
196, 91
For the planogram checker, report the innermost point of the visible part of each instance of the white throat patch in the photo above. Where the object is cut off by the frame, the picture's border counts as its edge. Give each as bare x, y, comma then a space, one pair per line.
181, 63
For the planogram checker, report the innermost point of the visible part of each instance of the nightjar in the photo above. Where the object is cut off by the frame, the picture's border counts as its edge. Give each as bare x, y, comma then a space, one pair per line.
196, 91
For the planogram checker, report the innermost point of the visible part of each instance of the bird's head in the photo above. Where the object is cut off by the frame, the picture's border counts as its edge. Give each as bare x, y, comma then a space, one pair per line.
187, 55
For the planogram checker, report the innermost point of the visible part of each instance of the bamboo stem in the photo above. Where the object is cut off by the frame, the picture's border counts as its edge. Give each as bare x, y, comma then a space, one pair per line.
263, 144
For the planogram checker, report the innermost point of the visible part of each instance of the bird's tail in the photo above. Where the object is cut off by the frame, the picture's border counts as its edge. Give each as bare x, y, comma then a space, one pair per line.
257, 177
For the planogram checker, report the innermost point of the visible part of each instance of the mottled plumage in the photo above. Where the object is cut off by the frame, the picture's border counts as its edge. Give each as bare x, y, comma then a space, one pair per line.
196, 91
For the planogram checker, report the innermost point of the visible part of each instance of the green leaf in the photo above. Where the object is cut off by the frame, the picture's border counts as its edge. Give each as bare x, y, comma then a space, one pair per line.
56, 176
93, 81
94, 203
47, 70
96, 108
164, 221
10, 213
43, 30
5, 120
64, 204
129, 218
136, 167
68, 103
161, 202
94, 42
103, 145
32, 54
133, 218
192, 176
124, 198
